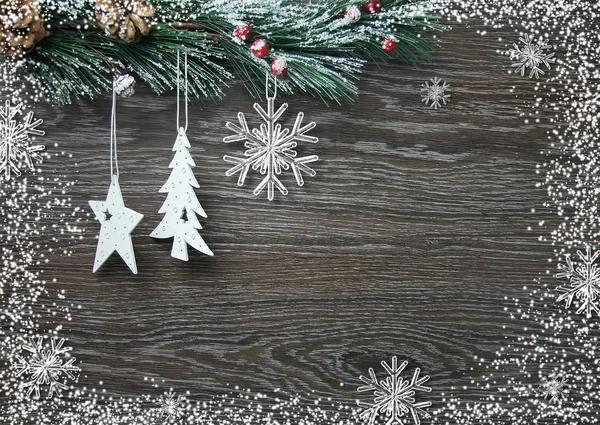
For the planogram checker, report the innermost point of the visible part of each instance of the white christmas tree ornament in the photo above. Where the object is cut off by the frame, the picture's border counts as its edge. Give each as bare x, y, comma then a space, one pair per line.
181, 207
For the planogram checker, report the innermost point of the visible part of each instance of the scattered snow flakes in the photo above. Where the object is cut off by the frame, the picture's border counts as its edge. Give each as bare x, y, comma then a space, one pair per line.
531, 55
394, 396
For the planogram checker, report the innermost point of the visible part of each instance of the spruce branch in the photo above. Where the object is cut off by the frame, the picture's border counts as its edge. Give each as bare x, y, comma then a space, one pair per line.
324, 52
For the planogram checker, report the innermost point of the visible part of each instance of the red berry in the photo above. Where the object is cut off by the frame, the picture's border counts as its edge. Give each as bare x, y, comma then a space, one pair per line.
243, 31
388, 43
279, 67
352, 13
260, 48
372, 6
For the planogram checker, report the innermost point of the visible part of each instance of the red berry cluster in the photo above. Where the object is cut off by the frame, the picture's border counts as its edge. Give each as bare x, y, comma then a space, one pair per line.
279, 67
353, 13
260, 49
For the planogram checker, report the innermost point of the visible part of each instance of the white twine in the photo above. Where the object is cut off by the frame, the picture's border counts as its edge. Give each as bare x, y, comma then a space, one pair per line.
114, 169
185, 68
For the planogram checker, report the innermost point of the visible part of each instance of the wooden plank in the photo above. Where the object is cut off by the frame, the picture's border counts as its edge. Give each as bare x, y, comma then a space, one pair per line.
405, 243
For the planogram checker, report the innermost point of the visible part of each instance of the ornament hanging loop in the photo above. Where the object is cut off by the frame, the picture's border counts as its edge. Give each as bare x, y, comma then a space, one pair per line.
267, 87
185, 71
114, 164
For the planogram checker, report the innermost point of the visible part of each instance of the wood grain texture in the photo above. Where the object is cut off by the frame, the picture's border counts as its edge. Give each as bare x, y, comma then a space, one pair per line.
405, 243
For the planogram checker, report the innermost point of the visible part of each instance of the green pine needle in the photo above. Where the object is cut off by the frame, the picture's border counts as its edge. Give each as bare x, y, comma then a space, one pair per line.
324, 53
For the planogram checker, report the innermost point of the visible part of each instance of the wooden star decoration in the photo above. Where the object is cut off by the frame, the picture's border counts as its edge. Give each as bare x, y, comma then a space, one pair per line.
117, 223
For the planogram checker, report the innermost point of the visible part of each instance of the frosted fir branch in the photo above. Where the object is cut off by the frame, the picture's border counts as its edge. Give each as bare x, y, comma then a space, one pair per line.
327, 51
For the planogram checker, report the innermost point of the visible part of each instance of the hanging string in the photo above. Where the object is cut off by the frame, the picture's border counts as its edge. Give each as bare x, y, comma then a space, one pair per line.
114, 169
185, 71
267, 86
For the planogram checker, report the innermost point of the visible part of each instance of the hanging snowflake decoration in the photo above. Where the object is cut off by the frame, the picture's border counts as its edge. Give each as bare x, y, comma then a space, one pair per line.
170, 405
531, 55
46, 366
394, 396
435, 93
270, 149
554, 387
584, 283
16, 150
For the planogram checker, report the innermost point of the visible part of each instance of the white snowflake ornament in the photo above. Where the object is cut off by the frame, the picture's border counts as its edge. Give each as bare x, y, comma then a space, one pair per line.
269, 150
16, 149
435, 93
584, 287
46, 366
117, 223
394, 396
531, 55
182, 205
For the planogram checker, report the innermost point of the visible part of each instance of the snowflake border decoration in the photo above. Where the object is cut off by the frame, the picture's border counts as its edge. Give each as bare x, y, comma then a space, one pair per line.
531, 55
270, 149
436, 93
553, 387
45, 366
16, 150
394, 396
584, 284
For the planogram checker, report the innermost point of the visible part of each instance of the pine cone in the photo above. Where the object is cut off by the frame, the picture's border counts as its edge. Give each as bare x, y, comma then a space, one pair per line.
21, 26
125, 19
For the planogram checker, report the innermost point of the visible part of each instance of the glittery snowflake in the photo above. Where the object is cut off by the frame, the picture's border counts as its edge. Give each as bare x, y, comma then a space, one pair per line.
531, 55
584, 283
16, 150
46, 366
394, 396
270, 149
170, 405
554, 387
435, 93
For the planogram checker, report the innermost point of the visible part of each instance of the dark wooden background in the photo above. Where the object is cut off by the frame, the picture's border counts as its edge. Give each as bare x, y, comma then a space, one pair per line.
406, 242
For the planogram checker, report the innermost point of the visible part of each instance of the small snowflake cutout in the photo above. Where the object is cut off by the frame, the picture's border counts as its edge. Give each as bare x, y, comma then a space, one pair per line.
435, 93
531, 55
394, 396
47, 365
554, 387
16, 149
170, 405
584, 287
